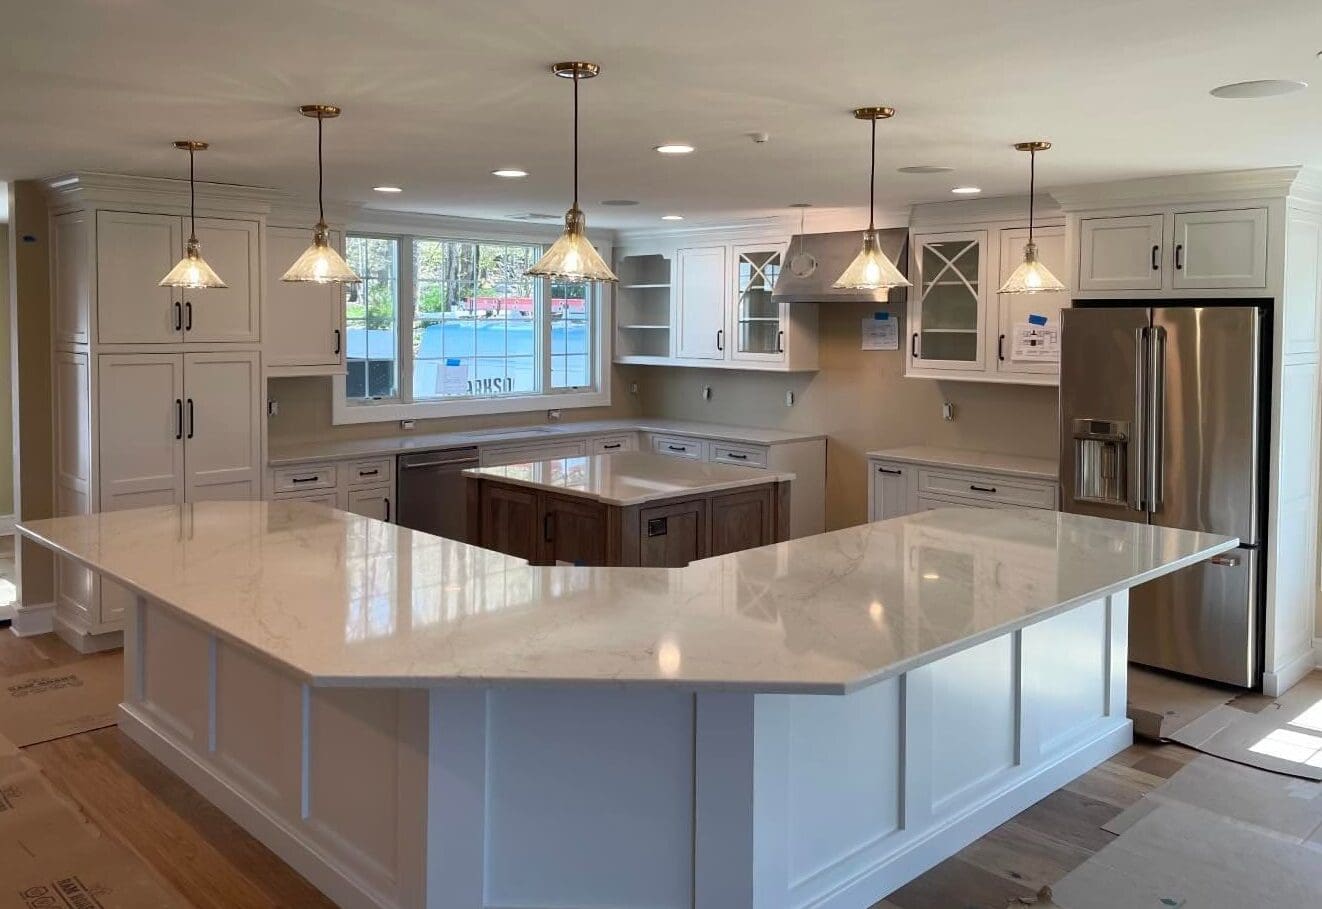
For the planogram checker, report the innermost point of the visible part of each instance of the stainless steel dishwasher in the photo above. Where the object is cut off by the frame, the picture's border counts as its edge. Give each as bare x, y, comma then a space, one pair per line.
432, 495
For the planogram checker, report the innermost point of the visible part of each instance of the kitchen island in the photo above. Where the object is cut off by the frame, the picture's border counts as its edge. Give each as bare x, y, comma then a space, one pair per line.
413, 722
632, 508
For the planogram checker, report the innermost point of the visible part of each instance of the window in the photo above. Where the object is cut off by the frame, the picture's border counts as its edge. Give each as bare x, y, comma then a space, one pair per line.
444, 326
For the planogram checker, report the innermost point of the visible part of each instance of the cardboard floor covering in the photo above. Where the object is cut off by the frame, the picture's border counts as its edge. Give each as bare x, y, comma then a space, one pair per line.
52, 703
1160, 704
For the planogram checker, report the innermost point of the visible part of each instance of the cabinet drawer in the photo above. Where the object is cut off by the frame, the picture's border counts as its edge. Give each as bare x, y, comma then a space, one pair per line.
523, 454
612, 444
374, 471
987, 488
311, 476
747, 455
680, 447
328, 499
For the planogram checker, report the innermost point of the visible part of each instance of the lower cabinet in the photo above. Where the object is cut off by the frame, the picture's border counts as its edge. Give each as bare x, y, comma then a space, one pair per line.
897, 488
371, 502
365, 487
671, 536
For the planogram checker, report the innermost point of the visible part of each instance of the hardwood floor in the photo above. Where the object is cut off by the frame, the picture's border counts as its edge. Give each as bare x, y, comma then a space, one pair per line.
203, 855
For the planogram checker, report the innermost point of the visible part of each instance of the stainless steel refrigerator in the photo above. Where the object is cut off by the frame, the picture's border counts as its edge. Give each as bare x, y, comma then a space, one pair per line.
1161, 422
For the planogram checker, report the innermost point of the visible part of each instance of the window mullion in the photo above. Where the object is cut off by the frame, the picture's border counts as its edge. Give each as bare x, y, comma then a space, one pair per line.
407, 306
542, 294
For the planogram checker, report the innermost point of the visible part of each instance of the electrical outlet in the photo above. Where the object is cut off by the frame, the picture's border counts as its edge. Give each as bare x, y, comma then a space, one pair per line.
273, 408
633, 388
406, 424
706, 392
789, 399
947, 411
553, 416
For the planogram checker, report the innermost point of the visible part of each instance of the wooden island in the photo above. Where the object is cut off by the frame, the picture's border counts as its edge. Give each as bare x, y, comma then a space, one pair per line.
626, 509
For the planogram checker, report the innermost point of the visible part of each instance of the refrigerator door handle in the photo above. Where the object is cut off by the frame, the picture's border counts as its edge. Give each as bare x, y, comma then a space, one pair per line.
1138, 459
1156, 418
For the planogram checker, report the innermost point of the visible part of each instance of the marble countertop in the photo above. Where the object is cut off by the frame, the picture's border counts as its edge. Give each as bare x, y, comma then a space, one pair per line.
340, 599
340, 449
630, 477
985, 461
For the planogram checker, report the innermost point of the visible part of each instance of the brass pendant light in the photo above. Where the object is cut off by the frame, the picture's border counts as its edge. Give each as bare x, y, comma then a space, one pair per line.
1031, 277
871, 270
192, 270
572, 257
320, 263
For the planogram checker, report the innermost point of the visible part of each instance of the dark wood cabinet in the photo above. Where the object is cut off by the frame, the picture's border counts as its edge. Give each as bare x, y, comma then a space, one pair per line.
548, 528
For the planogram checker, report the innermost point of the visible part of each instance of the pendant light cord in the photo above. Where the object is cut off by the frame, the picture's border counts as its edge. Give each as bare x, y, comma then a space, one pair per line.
575, 137
321, 178
1032, 188
872, 182
192, 199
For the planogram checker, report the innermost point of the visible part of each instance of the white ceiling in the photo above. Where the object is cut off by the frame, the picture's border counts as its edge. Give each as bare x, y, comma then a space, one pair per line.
438, 93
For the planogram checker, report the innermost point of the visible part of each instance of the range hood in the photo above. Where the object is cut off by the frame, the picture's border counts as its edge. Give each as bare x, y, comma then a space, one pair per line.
832, 254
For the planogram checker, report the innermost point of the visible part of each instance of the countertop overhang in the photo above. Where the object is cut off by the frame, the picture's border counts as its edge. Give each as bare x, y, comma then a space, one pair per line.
345, 600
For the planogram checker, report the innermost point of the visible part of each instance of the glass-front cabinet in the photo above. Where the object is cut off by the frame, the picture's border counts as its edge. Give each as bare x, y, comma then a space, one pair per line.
947, 309
757, 330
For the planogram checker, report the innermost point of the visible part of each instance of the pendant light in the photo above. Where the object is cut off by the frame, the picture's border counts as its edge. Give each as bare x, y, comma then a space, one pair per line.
320, 263
1031, 277
192, 270
572, 257
871, 270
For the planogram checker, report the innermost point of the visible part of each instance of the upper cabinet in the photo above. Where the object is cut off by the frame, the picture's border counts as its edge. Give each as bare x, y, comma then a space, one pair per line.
134, 250
711, 306
948, 307
1173, 250
303, 325
1019, 310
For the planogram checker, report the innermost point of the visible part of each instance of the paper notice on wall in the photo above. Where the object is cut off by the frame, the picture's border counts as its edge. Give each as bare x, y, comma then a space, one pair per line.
1036, 341
881, 332
454, 378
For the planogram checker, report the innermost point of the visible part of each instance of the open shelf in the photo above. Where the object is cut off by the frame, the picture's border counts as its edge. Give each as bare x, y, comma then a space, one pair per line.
645, 286
662, 327
642, 308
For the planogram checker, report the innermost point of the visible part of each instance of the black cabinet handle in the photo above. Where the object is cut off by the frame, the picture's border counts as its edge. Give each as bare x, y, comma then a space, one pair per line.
387, 501
976, 488
780, 341
1156, 258
337, 342
368, 473
178, 418
677, 447
178, 316
913, 346
736, 456
720, 339
188, 325
612, 446
1000, 348
1179, 256
891, 471
192, 422
303, 479
546, 528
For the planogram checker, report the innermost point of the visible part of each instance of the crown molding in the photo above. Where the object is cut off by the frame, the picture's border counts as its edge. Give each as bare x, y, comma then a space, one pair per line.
84, 189
292, 213
992, 210
781, 226
380, 221
1222, 186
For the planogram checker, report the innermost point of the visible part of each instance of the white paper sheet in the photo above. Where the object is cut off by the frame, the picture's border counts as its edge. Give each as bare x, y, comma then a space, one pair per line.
1036, 343
881, 332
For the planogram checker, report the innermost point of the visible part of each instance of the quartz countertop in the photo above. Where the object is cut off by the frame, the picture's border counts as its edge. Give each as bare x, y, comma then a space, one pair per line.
341, 599
629, 477
341, 449
986, 461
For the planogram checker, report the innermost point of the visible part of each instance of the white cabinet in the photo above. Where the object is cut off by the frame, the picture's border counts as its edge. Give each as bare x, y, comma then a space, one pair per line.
72, 273
888, 490
613, 444
1120, 253
1015, 310
372, 502
948, 303
1220, 249
701, 302
679, 447
898, 488
303, 324
178, 427
134, 251
757, 322
498, 456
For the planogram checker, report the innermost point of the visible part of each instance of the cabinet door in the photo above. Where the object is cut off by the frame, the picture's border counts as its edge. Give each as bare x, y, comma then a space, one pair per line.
1220, 249
140, 412
1016, 310
71, 277
1120, 253
574, 531
889, 486
742, 520
948, 316
222, 426
510, 521
302, 324
671, 536
133, 253
229, 313
757, 326
372, 502
700, 296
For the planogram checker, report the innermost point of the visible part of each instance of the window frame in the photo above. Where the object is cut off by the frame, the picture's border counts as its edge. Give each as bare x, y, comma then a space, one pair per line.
403, 406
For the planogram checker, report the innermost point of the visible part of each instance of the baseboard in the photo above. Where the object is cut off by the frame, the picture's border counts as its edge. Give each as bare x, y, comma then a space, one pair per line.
32, 620
7, 522
272, 831
1275, 684
1317, 652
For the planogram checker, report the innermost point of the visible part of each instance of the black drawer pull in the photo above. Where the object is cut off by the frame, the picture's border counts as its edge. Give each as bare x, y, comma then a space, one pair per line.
192, 422
1156, 258
976, 488
178, 316
1000, 348
369, 473
736, 456
612, 446
178, 418
891, 471
188, 305
678, 447
1179, 256
304, 479
337, 342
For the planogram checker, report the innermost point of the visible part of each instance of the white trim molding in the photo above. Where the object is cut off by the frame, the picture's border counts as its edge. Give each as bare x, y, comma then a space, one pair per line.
7, 522
1275, 684
33, 620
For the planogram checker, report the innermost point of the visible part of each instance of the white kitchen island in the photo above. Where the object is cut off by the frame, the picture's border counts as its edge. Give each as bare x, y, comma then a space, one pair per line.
415, 722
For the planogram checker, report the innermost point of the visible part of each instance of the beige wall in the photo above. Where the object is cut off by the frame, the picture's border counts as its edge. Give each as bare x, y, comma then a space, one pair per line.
861, 401
6, 384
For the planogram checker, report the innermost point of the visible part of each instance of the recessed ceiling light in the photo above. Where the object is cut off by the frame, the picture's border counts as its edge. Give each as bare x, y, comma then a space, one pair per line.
672, 217
1258, 88
675, 148
925, 169
619, 203
387, 189
966, 190
511, 173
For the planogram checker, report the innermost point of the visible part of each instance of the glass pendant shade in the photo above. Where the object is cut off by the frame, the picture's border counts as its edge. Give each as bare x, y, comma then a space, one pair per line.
871, 269
321, 264
1031, 277
573, 257
192, 271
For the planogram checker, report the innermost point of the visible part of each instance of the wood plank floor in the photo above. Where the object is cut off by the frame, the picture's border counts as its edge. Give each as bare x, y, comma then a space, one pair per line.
203, 855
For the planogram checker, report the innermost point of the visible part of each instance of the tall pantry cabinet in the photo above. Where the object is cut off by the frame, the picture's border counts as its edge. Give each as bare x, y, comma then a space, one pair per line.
157, 391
